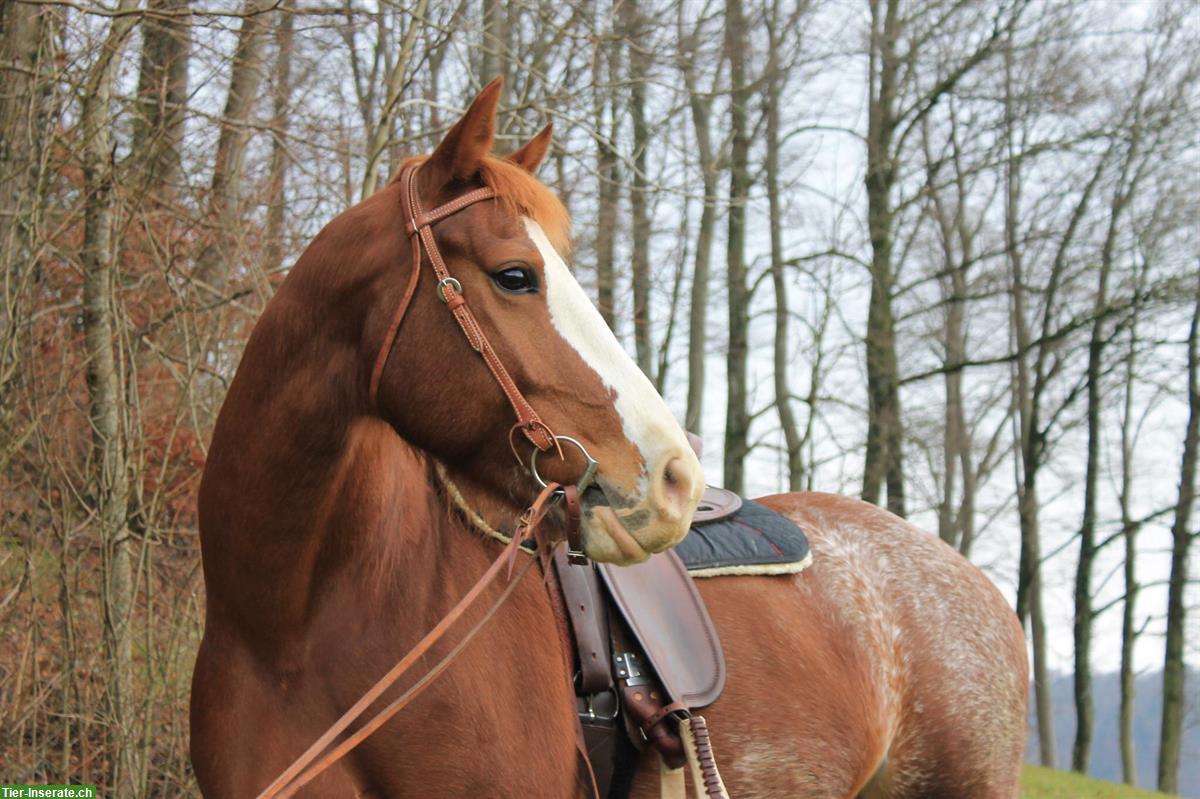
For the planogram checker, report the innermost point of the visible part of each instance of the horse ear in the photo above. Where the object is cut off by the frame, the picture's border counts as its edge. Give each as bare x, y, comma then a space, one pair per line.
462, 151
530, 156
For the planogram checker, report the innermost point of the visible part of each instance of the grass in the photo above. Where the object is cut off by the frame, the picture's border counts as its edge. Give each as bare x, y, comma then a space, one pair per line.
1044, 783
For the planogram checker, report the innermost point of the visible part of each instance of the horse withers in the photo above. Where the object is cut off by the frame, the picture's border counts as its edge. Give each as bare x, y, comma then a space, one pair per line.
331, 543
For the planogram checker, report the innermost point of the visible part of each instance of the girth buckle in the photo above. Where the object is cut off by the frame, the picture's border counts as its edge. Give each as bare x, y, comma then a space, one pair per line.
589, 714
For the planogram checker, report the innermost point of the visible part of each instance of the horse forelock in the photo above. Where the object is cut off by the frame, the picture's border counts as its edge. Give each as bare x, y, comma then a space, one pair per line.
527, 196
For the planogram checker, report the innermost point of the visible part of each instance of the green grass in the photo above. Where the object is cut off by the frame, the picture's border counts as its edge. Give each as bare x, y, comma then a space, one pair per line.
1044, 783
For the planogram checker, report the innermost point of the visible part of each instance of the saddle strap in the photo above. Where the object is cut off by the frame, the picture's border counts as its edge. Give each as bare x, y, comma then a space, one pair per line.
558, 606
587, 653
587, 610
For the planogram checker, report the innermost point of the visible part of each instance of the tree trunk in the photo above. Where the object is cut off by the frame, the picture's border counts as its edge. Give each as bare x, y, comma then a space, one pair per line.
884, 456
783, 391
700, 107
663, 356
1084, 708
1174, 672
162, 97
110, 480
633, 25
24, 136
490, 51
607, 127
737, 422
215, 262
1123, 192
955, 515
1029, 445
1029, 606
281, 96
1129, 531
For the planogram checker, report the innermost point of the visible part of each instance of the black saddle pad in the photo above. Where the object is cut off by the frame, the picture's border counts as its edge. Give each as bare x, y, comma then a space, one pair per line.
754, 540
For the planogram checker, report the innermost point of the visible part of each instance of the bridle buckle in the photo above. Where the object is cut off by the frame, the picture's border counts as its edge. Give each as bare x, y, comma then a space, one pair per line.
454, 286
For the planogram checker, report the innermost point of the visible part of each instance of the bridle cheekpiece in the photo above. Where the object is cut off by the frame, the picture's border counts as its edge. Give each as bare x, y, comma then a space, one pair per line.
419, 227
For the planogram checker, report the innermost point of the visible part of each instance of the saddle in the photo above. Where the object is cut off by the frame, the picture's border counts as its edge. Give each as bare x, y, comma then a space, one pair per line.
646, 652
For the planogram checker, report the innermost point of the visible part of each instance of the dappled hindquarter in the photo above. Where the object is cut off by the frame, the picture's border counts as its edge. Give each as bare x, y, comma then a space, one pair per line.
891, 667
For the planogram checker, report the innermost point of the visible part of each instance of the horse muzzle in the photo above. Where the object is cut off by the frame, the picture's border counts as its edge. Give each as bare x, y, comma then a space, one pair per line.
622, 529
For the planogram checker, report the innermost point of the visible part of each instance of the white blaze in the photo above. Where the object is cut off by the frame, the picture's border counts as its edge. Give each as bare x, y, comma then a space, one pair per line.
645, 417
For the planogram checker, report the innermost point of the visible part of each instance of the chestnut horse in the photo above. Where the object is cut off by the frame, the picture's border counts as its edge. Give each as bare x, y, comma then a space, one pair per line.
890, 668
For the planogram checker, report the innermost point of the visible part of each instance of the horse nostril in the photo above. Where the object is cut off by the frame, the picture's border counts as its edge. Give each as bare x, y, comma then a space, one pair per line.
676, 484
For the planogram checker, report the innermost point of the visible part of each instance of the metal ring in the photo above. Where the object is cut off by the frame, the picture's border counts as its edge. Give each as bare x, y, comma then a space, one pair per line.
448, 281
589, 471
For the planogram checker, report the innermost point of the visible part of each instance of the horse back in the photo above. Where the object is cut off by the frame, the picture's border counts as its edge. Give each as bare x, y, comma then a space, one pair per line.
891, 667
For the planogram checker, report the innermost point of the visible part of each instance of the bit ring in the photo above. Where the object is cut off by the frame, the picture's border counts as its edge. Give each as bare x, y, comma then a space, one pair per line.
589, 471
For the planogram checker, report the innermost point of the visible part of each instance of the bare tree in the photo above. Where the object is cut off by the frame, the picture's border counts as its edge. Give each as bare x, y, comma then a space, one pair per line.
700, 107
215, 262
1174, 672
949, 204
605, 62
1129, 532
281, 95
26, 36
636, 32
1131, 172
110, 481
162, 95
397, 78
896, 107
737, 417
778, 68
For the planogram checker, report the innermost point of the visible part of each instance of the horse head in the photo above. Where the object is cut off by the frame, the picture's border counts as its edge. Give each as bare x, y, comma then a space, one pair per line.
507, 259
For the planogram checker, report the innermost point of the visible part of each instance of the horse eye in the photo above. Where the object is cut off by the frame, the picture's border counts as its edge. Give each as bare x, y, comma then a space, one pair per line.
516, 280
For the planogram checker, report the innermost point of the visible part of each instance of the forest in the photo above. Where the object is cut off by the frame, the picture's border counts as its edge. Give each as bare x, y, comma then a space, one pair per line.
942, 255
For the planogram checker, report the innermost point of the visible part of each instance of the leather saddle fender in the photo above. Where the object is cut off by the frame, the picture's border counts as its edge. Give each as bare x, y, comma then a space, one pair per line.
660, 605
623, 619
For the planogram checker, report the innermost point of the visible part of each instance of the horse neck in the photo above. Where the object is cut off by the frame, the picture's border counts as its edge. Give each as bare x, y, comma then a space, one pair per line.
305, 490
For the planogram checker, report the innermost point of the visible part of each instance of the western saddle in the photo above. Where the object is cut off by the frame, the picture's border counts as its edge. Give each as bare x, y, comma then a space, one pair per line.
646, 652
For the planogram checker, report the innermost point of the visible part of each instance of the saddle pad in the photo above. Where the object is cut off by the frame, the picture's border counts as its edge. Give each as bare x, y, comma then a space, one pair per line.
665, 613
755, 540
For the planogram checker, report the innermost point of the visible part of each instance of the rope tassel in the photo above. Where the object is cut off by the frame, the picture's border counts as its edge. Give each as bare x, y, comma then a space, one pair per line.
701, 765
706, 779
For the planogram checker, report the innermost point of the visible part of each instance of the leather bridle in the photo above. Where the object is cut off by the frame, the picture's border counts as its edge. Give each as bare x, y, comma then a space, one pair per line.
419, 225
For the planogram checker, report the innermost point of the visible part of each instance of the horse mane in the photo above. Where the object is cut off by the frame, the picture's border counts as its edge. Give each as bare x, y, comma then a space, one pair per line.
524, 195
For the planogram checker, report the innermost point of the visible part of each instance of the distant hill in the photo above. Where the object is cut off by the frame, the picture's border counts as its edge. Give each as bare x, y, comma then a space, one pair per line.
1106, 756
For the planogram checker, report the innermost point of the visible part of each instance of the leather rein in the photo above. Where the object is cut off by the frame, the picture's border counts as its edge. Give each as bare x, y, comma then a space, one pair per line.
419, 226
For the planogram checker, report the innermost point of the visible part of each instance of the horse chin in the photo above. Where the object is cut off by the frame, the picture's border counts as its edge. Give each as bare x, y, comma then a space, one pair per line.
607, 540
